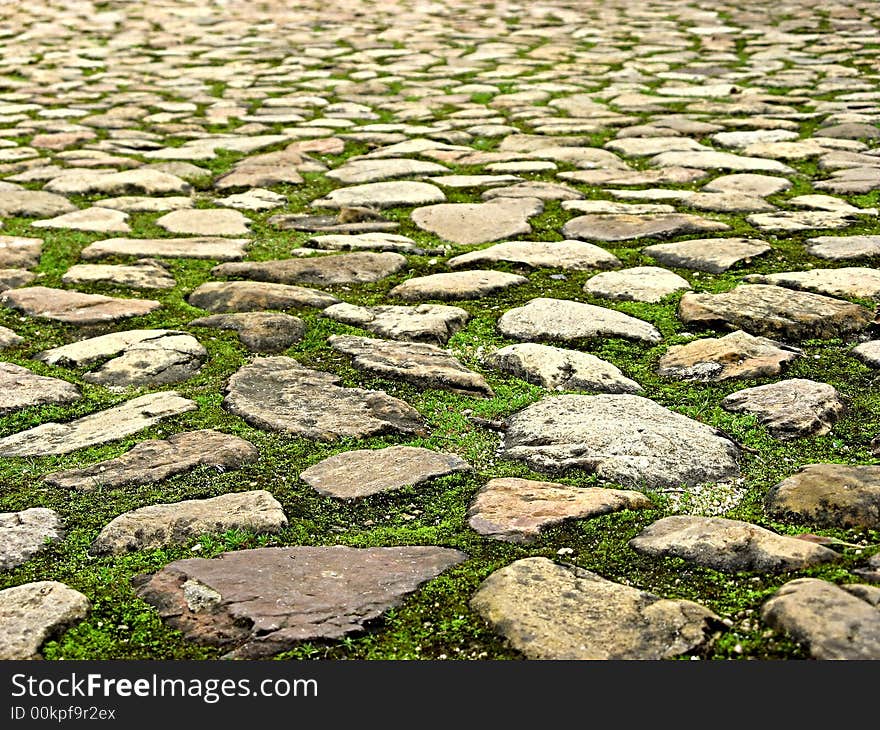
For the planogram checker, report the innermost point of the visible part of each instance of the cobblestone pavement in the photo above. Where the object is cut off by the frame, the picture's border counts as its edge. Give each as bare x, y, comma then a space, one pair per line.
439, 330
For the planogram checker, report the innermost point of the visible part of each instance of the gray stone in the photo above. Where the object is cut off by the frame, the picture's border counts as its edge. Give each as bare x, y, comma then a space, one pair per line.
474, 284
382, 195
279, 394
74, 307
143, 181
102, 220
142, 274
17, 252
258, 331
839, 248
8, 338
160, 525
139, 204
254, 199
844, 282
368, 171
347, 268
551, 611
20, 388
472, 223
205, 222
639, 284
615, 208
303, 593
649, 146
205, 247
850, 130
423, 323
361, 473
569, 254
611, 227
32, 613
13, 278
789, 408
26, 533
253, 296
364, 241
728, 545
747, 183
33, 204
791, 221
621, 438
534, 189
715, 255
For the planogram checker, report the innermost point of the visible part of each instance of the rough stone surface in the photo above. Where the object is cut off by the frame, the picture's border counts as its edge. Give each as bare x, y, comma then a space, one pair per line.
423, 323
32, 613
101, 220
639, 284
142, 274
382, 195
17, 252
850, 281
206, 222
8, 338
348, 268
469, 224
258, 331
253, 296
24, 534
74, 307
128, 182
839, 248
610, 227
715, 255
198, 247
868, 353
569, 254
21, 388
33, 204
473, 284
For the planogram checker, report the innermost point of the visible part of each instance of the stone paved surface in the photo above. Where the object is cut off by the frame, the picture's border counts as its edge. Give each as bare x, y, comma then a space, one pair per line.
403, 263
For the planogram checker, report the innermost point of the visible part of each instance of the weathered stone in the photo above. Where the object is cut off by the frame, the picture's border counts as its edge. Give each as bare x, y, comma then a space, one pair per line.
353, 474
367, 171
562, 319
868, 353
715, 255
790, 221
674, 175
222, 249
258, 331
649, 146
534, 189
829, 495
369, 241
838, 248
348, 221
13, 278
747, 183
279, 394
26, 533
253, 296
610, 227
774, 311
829, 203
156, 460
205, 222
304, 593
516, 510
33, 204
8, 338
728, 545
712, 160
32, 613
139, 204
17, 252
551, 611
142, 274
382, 195
851, 130
615, 208
424, 323
472, 223
74, 307
575, 255
789, 408
347, 268
474, 284
97, 428
639, 284
555, 368
622, 438
143, 181
254, 199
845, 282
101, 220
828, 620
160, 525
20, 388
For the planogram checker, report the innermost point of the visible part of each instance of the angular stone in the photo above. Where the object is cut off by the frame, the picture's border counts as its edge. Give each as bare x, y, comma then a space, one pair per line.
639, 284
551, 611
472, 223
562, 319
222, 249
424, 323
839, 248
367, 171
17, 252
775, 312
156, 460
712, 160
830, 621
369, 241
791, 221
97, 428
382, 195
422, 364
615, 208
20, 388
253, 296
829, 495
621, 438
279, 394
736, 355
715, 255
142, 274
258, 331
569, 254
829, 203
844, 282
206, 222
868, 353
101, 220
32, 613
14, 278
516, 510
649, 146
26, 533
33, 204
160, 525
361, 473
458, 285
347, 268
611, 227
534, 189
74, 307
302, 593
730, 546
747, 183
789, 408
8, 338
130, 182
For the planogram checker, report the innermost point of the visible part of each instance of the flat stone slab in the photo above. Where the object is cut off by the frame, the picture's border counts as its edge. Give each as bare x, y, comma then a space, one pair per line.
623, 227
516, 510
8, 338
423, 323
141, 204
841, 248
473, 284
551, 611
555, 368
674, 175
26, 533
361, 473
715, 255
20, 388
254, 199
419, 363
747, 183
206, 222
832, 622
382, 195
829, 495
849, 281
775, 312
159, 459
868, 353
102, 220
348, 221
368, 171
364, 241
73, 307
142, 274
621, 438
469, 224
18, 252
736, 355
279, 394
258, 331
97, 428
712, 160
303, 593
789, 408
128, 182
160, 525
253, 296
14, 278
33, 204
33, 613
348, 268
730, 546
532, 189
568, 254
792, 221
563, 319
198, 247
639, 284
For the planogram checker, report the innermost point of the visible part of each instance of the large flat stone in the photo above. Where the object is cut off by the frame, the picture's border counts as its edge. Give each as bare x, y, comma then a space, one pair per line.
253, 296
569, 254
622, 227
715, 255
101, 220
33, 204
367, 171
474, 284
74, 307
712, 160
382, 195
472, 223
849, 281
26, 533
424, 323
18, 252
20, 388
142, 274
128, 182
32, 613
198, 247
364, 241
348, 268
258, 331
639, 284
841, 248
206, 222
